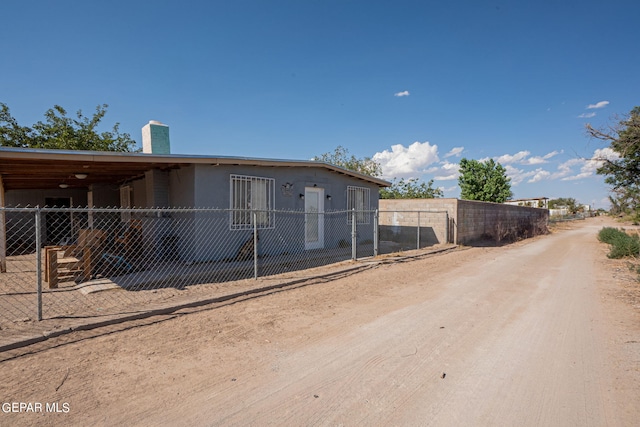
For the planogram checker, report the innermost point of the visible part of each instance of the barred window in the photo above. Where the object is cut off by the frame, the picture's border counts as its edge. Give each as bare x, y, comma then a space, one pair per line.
358, 199
249, 194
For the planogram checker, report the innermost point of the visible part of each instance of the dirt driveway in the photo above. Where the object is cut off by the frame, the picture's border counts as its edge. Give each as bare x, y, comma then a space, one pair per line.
544, 332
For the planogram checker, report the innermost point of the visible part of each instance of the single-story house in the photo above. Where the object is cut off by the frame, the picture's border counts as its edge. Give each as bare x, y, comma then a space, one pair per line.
534, 202
157, 179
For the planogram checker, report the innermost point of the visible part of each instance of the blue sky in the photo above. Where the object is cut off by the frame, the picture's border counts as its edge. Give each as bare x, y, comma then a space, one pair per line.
417, 85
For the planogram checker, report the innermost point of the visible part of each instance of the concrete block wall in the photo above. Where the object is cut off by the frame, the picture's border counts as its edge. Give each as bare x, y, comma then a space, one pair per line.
498, 222
469, 221
399, 219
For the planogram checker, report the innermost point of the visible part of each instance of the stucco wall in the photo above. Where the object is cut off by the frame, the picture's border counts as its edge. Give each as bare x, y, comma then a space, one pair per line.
211, 237
106, 196
398, 220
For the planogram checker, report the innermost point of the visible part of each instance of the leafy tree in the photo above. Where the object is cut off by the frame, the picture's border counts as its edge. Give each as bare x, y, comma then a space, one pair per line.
410, 189
340, 157
564, 202
622, 172
625, 201
61, 132
484, 181
624, 140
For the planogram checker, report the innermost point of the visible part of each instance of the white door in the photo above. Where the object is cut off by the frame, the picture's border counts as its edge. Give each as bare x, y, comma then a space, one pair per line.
313, 218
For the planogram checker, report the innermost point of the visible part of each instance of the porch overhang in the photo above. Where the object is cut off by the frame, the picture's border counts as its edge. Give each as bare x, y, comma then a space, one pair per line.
22, 169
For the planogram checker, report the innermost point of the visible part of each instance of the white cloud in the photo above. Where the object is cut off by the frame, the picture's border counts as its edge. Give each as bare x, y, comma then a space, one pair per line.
517, 175
586, 115
537, 160
516, 158
604, 154
407, 162
455, 151
433, 169
447, 172
403, 93
539, 175
600, 104
588, 167
565, 168
530, 176
552, 154
449, 189
581, 175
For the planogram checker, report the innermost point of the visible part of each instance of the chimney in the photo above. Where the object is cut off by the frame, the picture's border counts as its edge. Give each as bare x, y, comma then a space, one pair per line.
155, 138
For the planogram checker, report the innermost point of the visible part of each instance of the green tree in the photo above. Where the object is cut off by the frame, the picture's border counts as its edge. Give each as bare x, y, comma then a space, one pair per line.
410, 189
624, 140
625, 201
484, 181
623, 170
341, 157
58, 131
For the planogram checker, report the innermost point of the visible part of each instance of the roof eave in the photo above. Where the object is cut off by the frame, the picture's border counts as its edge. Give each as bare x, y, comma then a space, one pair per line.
127, 157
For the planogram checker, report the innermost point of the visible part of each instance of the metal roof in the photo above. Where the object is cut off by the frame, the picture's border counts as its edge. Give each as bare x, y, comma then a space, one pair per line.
25, 168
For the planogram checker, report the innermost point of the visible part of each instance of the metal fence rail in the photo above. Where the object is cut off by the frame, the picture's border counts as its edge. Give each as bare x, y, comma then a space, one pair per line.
68, 262
406, 230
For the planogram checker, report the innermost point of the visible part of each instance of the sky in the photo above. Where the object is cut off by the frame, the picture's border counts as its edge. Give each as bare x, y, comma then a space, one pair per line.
415, 85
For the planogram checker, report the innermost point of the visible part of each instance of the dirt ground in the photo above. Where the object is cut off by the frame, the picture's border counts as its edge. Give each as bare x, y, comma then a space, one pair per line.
540, 332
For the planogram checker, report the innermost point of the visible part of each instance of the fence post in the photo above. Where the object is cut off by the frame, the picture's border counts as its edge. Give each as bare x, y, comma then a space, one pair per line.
376, 223
39, 261
446, 227
3, 233
3, 230
255, 245
418, 236
354, 238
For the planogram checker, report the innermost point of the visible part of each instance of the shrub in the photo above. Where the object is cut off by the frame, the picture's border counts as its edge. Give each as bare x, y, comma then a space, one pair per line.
622, 245
608, 234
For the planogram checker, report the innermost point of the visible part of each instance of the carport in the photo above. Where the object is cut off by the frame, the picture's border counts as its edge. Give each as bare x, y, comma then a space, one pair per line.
22, 170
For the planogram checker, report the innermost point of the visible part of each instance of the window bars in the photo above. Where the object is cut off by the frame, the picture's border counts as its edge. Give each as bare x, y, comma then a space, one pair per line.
358, 199
251, 194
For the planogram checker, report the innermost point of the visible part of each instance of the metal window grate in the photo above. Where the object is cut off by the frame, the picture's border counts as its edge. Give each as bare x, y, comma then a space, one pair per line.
251, 194
358, 198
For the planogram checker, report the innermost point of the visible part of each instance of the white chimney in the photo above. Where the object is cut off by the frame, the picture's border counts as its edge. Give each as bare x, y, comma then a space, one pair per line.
155, 138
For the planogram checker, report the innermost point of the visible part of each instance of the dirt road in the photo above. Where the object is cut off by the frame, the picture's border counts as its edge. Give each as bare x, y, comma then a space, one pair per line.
535, 333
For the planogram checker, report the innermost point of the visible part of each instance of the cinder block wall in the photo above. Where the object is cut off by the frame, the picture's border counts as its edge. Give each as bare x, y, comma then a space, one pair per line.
498, 222
399, 217
469, 220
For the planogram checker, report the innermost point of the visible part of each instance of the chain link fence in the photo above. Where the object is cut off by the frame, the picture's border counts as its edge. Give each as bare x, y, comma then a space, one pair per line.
80, 262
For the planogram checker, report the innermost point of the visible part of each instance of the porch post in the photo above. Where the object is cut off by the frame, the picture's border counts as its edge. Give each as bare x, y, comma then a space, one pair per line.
90, 206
